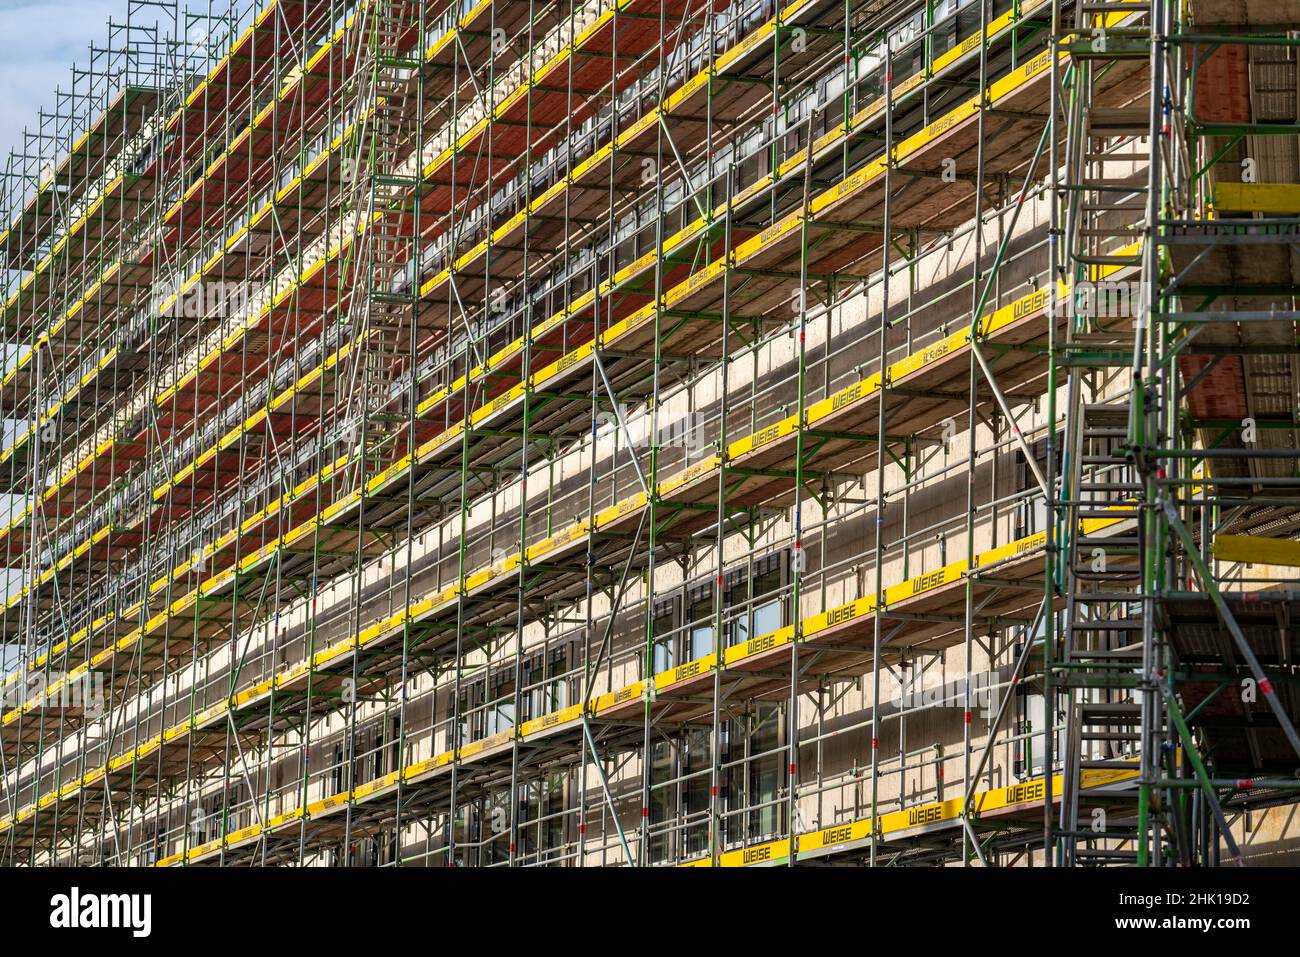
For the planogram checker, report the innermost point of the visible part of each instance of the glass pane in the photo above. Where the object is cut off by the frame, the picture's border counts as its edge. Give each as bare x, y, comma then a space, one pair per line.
663, 656
740, 630
701, 641
767, 617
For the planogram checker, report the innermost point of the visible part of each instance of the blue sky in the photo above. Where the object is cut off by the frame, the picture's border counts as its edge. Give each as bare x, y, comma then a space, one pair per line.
41, 42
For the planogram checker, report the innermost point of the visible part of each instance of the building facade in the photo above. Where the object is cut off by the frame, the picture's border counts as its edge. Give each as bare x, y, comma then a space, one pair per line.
656, 432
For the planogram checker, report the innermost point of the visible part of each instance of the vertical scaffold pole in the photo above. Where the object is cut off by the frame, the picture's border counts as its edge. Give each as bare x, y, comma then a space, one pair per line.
882, 439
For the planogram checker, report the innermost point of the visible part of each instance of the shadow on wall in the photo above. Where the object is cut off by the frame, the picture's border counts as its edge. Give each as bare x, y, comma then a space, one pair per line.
1273, 839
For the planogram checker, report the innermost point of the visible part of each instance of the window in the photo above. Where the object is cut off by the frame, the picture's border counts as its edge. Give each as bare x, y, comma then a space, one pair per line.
466, 722
695, 800
754, 605
665, 621
336, 779
376, 850
760, 598
1031, 511
661, 803
1033, 745
679, 792
372, 752
492, 820
765, 771
487, 704
700, 633
546, 681
208, 826
1032, 720
541, 817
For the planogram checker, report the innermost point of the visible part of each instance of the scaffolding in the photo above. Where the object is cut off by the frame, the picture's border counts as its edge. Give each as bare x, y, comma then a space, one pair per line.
650, 432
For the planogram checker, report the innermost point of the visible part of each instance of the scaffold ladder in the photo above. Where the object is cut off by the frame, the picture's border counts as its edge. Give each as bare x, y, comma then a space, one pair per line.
389, 268
1102, 655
